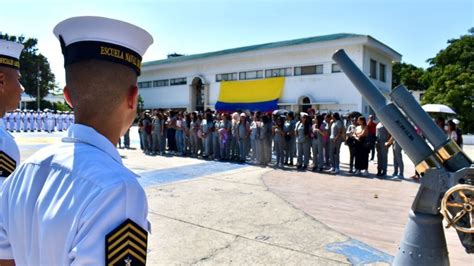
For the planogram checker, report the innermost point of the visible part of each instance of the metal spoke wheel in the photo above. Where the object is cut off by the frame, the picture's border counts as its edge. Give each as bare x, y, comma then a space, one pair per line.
457, 207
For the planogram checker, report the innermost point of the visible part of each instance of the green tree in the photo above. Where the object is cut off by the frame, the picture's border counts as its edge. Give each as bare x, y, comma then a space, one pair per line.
451, 79
408, 75
34, 67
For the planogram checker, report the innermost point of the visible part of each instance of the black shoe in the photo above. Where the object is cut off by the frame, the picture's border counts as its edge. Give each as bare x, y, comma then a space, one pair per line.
299, 166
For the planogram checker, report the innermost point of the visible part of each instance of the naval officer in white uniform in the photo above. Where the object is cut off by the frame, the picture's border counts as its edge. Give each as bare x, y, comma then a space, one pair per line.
76, 203
10, 95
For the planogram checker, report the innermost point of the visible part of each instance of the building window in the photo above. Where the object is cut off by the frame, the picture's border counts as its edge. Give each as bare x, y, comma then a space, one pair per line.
335, 68
278, 72
178, 81
373, 69
160, 83
226, 76
309, 70
144, 84
382, 72
251, 75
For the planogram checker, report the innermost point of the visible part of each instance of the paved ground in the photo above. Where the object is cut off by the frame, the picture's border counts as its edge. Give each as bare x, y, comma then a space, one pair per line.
205, 212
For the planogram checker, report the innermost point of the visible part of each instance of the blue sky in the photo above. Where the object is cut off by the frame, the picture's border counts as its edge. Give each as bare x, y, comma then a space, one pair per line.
417, 29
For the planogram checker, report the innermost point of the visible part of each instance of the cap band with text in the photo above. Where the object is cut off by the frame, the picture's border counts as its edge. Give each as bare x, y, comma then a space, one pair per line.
9, 61
85, 50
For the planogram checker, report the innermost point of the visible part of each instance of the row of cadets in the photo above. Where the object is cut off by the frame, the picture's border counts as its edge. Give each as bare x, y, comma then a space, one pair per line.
38, 121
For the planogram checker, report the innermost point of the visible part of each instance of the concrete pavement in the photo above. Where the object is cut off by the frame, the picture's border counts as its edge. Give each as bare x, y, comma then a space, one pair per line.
205, 212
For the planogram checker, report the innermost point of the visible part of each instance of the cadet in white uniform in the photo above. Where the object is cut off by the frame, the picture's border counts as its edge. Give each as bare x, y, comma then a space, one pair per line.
80, 204
12, 121
18, 120
49, 120
6, 119
10, 91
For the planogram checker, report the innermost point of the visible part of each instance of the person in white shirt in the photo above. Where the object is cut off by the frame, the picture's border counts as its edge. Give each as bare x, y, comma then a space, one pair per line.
10, 93
76, 203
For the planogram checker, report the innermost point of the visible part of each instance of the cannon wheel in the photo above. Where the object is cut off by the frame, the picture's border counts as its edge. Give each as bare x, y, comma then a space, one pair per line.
457, 207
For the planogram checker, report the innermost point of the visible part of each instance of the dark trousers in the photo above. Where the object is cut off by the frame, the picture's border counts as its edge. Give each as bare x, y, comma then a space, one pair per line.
372, 139
352, 153
171, 136
361, 156
126, 139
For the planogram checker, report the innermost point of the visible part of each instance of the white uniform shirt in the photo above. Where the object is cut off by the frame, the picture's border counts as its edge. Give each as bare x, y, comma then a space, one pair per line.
61, 203
10, 148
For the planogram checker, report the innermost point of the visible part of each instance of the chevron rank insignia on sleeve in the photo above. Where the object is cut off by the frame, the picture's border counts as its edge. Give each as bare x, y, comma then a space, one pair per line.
7, 164
126, 245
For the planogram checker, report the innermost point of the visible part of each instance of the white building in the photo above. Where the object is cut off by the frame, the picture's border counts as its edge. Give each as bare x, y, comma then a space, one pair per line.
312, 79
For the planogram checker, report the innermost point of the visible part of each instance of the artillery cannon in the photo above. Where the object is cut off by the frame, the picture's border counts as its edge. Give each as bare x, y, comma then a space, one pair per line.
447, 173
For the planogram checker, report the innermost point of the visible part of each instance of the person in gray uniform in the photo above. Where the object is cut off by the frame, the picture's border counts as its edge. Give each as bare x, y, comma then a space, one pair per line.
265, 137
216, 153
234, 146
225, 128
327, 143
193, 128
317, 141
254, 137
279, 140
207, 135
155, 133
262, 144
398, 166
302, 139
290, 138
243, 131
382, 136
336, 138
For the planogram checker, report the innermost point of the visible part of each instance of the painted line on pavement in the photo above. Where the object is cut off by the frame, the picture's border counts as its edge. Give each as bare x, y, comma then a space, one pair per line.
359, 253
174, 174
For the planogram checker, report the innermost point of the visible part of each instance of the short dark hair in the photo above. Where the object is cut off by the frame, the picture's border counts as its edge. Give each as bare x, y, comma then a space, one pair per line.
97, 87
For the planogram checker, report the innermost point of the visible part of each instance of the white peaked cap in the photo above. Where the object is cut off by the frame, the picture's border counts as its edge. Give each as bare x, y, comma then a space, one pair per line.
303, 114
89, 35
10, 53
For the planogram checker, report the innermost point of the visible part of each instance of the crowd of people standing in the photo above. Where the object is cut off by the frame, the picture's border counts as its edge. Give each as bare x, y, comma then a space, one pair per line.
307, 141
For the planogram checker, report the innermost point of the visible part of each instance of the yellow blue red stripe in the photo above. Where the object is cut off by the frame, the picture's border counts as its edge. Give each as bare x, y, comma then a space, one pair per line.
261, 95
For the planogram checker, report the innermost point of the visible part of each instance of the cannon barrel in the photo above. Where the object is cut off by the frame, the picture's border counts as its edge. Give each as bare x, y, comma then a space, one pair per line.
449, 152
392, 118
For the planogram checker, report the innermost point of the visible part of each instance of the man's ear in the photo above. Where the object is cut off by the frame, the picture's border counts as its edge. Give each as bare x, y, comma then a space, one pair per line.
67, 97
132, 97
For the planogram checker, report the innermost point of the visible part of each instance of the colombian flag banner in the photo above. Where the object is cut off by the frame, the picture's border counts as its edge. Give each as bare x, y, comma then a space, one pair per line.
254, 95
